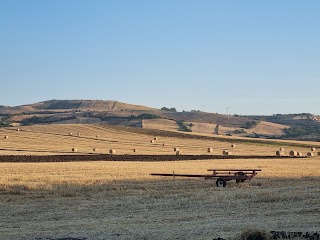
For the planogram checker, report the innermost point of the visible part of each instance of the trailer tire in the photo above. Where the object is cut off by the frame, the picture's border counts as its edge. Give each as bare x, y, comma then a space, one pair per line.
221, 182
240, 174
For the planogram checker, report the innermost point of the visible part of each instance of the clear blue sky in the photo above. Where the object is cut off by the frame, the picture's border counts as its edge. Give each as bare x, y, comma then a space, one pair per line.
256, 57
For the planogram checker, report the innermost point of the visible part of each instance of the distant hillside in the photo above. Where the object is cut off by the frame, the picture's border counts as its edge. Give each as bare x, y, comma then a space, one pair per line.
115, 109
16, 110
203, 117
73, 105
286, 126
93, 105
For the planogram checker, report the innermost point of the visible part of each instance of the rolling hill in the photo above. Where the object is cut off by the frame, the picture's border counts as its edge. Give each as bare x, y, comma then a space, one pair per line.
118, 113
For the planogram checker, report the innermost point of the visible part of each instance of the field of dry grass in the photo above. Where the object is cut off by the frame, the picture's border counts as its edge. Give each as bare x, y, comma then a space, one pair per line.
268, 128
56, 139
160, 124
120, 200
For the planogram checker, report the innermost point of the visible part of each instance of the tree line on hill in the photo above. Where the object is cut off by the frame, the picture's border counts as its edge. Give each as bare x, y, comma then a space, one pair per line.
305, 131
168, 109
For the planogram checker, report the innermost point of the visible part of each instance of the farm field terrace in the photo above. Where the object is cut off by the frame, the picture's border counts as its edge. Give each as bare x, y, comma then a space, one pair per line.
120, 200
56, 139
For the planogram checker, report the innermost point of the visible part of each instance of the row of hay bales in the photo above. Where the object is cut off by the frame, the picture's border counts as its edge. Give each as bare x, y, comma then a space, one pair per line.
111, 151
78, 135
209, 150
6, 137
224, 153
293, 153
154, 139
176, 150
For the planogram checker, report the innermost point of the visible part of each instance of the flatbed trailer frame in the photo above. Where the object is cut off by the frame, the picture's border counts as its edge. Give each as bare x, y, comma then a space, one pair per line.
221, 175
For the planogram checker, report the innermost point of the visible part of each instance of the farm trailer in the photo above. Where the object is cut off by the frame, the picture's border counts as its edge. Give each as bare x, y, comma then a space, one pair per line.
222, 176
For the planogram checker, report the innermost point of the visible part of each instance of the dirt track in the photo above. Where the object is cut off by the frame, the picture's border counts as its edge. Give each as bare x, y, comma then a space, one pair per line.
107, 157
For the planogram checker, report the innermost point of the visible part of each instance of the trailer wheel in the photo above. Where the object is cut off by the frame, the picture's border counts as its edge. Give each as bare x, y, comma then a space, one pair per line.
221, 182
240, 174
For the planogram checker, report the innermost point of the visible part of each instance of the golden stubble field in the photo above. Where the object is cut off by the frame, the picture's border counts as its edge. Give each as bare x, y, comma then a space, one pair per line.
120, 200
56, 139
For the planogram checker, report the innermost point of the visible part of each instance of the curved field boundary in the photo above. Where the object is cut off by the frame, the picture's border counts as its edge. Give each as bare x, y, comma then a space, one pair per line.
132, 158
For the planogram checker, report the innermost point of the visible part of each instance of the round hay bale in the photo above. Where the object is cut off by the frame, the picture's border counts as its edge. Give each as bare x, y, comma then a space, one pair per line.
163, 144
70, 134
78, 134
155, 138
313, 149
112, 151
178, 153
279, 153
281, 149
293, 154
176, 149
233, 145
6, 137
209, 150
227, 153
152, 141
299, 154
74, 150
97, 136
318, 153
135, 150
18, 130
309, 154
95, 149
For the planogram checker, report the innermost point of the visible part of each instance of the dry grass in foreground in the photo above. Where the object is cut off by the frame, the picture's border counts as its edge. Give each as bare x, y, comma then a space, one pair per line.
45, 176
120, 200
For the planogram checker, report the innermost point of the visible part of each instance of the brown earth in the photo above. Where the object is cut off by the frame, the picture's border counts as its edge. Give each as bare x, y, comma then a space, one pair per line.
129, 158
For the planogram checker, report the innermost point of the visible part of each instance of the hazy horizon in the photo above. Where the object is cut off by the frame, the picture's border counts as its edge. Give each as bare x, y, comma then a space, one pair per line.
258, 58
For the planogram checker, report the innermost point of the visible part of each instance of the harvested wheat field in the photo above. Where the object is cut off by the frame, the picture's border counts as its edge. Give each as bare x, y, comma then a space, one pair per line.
160, 124
268, 128
61, 139
121, 200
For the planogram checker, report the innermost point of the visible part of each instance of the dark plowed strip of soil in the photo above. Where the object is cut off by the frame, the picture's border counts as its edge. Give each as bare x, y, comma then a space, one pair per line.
132, 158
